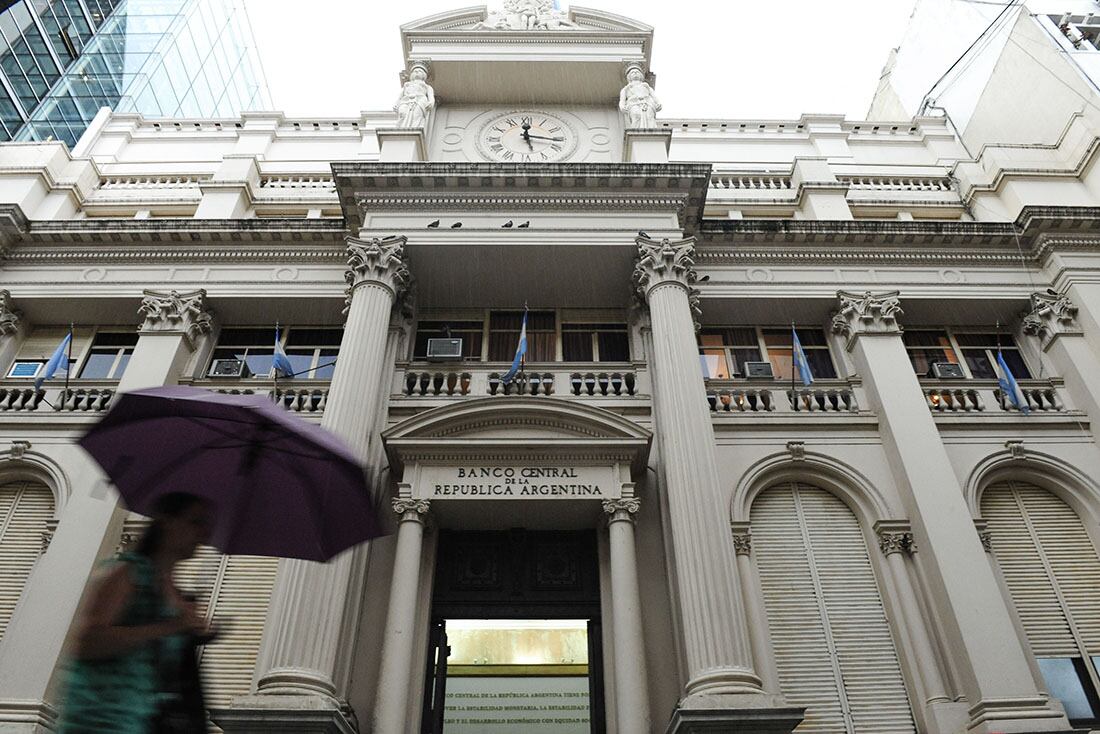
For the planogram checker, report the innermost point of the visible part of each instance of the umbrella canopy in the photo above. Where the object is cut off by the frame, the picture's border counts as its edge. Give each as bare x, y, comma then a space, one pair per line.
279, 485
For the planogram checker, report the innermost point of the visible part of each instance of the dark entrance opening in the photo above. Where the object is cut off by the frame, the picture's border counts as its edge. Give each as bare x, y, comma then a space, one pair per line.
515, 640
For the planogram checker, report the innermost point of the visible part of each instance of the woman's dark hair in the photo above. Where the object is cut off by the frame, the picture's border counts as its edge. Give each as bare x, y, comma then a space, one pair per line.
168, 505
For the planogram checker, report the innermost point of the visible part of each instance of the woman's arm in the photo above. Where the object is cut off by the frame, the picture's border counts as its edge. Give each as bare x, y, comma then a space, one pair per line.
101, 636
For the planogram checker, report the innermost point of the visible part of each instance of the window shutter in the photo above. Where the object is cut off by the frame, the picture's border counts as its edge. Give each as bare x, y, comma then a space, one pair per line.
25, 510
1049, 565
235, 590
832, 641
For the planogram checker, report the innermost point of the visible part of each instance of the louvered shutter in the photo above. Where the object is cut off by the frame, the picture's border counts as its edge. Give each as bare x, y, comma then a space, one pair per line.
1050, 566
235, 590
25, 510
832, 642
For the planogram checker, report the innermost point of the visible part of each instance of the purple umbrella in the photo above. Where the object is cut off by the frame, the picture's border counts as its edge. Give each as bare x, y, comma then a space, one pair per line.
279, 486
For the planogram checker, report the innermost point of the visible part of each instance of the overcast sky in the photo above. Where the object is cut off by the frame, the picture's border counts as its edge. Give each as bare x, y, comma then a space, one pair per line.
769, 59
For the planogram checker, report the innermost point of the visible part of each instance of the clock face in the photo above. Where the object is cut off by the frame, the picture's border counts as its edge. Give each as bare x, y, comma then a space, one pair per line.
527, 137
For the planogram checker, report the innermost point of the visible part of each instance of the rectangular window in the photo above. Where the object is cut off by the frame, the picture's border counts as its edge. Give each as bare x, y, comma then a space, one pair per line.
311, 350
504, 328
925, 348
723, 352
778, 342
108, 356
595, 343
979, 350
470, 332
1068, 681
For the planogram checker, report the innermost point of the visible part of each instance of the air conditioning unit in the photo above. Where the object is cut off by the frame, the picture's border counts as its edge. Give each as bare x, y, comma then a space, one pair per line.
444, 350
947, 371
25, 369
229, 368
758, 370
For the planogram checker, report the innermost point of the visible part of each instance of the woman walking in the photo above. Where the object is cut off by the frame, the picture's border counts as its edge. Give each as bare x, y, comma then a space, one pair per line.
133, 668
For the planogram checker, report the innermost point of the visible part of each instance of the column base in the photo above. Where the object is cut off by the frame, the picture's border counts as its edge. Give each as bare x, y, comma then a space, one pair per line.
750, 714
1018, 716
297, 714
27, 717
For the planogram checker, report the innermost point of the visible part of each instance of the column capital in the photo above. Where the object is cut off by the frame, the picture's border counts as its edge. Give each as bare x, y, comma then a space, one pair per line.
866, 313
895, 537
173, 311
379, 262
10, 317
742, 543
667, 262
622, 508
410, 508
1051, 315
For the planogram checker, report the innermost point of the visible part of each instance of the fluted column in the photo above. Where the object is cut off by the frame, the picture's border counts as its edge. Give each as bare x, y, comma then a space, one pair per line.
755, 617
300, 652
896, 544
717, 652
90, 523
392, 700
994, 668
631, 681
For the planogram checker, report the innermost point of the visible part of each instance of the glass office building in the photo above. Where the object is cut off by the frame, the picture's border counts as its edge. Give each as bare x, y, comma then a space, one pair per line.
162, 58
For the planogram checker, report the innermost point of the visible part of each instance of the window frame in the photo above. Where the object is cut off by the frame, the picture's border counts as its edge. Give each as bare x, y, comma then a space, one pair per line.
80, 363
952, 337
762, 351
316, 361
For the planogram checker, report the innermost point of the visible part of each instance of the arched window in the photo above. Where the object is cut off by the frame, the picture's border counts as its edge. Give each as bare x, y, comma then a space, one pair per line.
25, 511
235, 591
1052, 571
832, 642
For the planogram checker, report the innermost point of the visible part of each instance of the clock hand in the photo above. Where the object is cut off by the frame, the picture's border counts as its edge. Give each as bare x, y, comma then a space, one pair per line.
528, 136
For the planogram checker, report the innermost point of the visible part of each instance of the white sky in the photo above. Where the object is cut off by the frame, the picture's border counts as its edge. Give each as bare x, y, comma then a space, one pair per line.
765, 59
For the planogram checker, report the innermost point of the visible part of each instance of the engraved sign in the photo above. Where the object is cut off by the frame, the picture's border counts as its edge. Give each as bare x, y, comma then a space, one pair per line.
532, 705
551, 482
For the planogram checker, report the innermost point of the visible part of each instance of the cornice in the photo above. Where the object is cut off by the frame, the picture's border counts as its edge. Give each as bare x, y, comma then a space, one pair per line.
445, 201
683, 186
329, 254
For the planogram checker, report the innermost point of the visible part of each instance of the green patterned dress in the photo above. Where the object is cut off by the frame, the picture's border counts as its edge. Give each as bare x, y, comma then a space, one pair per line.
121, 695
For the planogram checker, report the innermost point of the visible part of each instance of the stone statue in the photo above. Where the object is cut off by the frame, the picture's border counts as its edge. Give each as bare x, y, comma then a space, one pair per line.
416, 101
637, 101
527, 15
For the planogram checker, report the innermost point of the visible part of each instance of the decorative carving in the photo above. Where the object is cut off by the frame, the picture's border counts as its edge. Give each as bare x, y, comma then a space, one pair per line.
895, 542
1051, 314
742, 544
379, 262
866, 313
417, 98
637, 101
986, 536
1015, 448
629, 505
527, 15
797, 450
10, 316
175, 311
667, 261
405, 505
18, 450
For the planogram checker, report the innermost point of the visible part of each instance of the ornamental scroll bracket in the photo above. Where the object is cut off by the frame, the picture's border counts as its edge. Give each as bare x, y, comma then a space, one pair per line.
409, 508
377, 262
666, 261
175, 311
866, 313
1051, 315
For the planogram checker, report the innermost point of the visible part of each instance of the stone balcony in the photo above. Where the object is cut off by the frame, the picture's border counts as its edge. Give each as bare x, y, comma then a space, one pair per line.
775, 400
963, 400
82, 398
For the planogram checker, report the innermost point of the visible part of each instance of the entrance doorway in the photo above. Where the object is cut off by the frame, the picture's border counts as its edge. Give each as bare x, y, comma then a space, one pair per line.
515, 641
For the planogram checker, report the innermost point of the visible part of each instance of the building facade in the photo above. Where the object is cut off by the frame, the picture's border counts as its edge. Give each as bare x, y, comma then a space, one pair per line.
659, 526
182, 58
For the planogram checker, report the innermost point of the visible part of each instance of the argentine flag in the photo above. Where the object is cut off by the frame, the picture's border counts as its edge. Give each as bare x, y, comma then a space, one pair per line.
1009, 386
800, 360
59, 355
280, 361
521, 353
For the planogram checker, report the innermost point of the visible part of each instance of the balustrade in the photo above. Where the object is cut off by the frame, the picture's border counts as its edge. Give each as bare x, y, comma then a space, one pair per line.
975, 396
835, 396
474, 380
25, 398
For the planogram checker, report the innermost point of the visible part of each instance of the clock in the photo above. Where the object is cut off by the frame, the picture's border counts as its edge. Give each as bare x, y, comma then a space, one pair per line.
526, 137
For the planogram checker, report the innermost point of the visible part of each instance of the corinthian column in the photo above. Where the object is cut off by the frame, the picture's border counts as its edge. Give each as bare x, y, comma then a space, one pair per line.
996, 676
300, 654
1052, 319
11, 329
392, 702
717, 653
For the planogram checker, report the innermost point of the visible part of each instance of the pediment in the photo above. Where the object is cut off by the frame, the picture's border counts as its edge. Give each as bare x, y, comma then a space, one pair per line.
481, 17
514, 425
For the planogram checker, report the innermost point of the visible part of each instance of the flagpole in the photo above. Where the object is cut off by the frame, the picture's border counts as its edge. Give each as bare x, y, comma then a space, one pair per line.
68, 364
794, 395
274, 368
